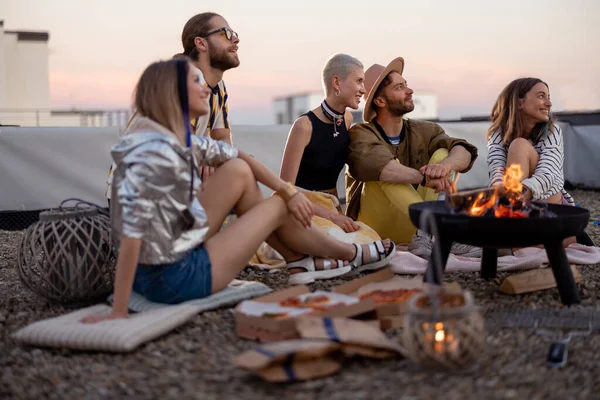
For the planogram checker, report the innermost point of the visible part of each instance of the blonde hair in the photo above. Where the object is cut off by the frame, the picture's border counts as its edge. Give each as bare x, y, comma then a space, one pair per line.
340, 65
157, 95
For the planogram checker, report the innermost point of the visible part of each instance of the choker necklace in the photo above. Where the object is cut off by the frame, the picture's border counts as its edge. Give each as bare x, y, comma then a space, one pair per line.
333, 116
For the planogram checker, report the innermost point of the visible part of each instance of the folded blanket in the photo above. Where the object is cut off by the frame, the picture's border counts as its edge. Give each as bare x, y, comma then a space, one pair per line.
523, 259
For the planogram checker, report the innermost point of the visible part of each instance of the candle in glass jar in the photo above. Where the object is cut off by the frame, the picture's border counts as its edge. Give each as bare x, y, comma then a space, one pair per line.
439, 337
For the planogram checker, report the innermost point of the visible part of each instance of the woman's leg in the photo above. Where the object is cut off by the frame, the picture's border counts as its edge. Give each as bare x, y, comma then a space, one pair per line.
522, 152
233, 186
230, 249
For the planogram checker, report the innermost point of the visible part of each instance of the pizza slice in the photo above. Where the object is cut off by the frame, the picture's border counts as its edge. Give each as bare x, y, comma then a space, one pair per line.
390, 296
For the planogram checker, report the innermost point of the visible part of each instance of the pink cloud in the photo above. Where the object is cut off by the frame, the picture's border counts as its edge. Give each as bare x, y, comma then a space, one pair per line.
92, 89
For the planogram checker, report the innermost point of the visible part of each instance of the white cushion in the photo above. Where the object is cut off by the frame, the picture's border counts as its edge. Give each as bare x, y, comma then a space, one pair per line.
118, 335
122, 335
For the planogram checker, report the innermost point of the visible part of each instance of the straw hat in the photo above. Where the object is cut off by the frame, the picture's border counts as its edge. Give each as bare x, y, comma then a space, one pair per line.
373, 77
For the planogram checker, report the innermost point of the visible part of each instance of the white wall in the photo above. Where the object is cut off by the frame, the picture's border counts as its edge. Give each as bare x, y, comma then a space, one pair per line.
425, 106
3, 77
300, 105
26, 68
41, 176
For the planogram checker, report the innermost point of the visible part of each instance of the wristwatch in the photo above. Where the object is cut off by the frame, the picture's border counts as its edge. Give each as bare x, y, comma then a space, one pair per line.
424, 181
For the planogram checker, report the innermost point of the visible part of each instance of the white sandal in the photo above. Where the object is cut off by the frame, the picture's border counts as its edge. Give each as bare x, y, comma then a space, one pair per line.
377, 252
308, 264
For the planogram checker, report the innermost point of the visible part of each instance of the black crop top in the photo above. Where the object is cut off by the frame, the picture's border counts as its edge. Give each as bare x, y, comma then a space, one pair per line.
324, 156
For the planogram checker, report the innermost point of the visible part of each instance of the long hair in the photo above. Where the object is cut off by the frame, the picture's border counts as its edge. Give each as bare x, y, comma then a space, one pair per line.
507, 117
157, 95
197, 26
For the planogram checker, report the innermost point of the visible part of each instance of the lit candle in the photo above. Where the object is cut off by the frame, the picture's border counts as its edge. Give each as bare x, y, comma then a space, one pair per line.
440, 336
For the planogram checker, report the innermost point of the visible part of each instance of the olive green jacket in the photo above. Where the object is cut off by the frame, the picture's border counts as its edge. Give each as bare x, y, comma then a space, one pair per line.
370, 151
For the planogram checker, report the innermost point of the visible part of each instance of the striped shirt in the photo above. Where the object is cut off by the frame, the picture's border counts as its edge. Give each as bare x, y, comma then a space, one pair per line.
218, 117
548, 177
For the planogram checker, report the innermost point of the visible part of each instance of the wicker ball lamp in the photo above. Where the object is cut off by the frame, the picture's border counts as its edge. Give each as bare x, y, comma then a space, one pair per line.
442, 329
67, 256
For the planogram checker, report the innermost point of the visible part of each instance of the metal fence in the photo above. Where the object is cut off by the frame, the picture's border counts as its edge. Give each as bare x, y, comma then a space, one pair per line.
64, 117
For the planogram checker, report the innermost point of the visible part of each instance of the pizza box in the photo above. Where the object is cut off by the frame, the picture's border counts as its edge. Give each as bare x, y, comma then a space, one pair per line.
251, 324
390, 315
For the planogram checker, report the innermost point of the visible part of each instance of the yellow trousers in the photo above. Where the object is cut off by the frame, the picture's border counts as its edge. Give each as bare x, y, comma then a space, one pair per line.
384, 206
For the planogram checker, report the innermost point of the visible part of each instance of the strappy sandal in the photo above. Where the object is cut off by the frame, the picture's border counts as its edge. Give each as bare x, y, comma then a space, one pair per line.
380, 258
330, 270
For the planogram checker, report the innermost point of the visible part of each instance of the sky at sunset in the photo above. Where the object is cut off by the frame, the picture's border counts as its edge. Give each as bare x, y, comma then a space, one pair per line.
464, 51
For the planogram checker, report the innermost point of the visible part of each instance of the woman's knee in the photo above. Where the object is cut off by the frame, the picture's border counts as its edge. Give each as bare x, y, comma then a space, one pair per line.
520, 145
239, 169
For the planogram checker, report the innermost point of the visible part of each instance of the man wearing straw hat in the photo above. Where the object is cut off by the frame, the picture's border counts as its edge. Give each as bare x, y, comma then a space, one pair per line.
394, 161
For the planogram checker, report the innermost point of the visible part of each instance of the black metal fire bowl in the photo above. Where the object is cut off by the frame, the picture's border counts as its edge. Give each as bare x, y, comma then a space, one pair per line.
492, 233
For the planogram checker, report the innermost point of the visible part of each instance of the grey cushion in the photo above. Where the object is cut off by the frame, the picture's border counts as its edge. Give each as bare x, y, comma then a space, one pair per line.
236, 291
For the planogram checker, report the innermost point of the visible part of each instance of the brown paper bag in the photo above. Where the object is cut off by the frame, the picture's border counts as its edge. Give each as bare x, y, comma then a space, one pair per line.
356, 337
291, 371
292, 360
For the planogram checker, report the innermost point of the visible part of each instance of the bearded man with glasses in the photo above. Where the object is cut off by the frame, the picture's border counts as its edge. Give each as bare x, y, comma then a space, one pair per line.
212, 45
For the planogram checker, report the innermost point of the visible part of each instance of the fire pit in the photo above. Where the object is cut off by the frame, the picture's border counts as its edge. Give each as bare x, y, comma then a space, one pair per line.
535, 224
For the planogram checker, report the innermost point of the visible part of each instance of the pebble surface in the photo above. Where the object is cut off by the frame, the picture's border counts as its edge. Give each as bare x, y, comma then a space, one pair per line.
194, 361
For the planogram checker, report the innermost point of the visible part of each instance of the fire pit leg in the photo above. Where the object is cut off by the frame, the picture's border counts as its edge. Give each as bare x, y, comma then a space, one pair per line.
445, 246
489, 262
567, 288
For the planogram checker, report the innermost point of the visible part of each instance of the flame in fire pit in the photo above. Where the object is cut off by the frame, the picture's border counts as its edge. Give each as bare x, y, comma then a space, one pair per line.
501, 201
512, 179
510, 191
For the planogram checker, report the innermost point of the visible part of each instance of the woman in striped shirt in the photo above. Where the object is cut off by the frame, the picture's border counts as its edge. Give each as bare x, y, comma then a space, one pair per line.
523, 132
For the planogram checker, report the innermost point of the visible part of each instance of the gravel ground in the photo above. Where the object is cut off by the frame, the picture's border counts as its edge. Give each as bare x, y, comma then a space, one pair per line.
194, 361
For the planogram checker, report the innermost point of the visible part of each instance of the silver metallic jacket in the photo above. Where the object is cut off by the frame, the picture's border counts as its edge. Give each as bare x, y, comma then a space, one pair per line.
154, 190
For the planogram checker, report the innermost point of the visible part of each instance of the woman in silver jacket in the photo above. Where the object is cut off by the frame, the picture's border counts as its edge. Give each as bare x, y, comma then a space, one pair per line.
168, 224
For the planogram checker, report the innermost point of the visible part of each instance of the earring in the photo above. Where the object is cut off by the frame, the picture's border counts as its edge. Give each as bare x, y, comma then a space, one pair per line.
337, 92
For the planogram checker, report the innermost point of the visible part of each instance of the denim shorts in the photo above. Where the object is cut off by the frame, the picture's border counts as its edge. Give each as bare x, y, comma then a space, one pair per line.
185, 279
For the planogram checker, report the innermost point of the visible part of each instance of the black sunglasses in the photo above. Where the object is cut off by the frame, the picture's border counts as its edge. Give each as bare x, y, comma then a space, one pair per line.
229, 34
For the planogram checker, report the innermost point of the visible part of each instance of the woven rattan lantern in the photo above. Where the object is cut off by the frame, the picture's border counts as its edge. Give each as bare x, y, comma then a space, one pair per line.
68, 256
442, 328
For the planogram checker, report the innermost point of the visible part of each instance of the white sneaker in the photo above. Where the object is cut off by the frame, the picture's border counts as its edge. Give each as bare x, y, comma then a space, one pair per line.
420, 245
465, 250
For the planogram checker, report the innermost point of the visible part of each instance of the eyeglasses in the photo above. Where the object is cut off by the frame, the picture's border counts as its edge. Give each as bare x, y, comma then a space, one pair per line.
229, 34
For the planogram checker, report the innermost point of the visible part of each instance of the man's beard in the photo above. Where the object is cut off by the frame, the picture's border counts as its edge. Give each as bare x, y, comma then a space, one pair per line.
399, 108
223, 60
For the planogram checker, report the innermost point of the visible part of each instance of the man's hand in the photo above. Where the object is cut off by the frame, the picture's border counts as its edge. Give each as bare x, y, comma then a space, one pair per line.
347, 224
205, 172
435, 171
440, 185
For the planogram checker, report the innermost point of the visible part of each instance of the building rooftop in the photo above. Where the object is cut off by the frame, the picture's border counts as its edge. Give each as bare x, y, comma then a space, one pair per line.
31, 36
591, 117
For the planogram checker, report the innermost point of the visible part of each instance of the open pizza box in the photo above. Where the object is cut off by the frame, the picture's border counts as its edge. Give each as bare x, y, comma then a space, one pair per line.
389, 311
265, 319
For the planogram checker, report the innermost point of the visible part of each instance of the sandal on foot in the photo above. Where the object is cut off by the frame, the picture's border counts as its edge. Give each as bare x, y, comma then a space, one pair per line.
329, 270
377, 255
